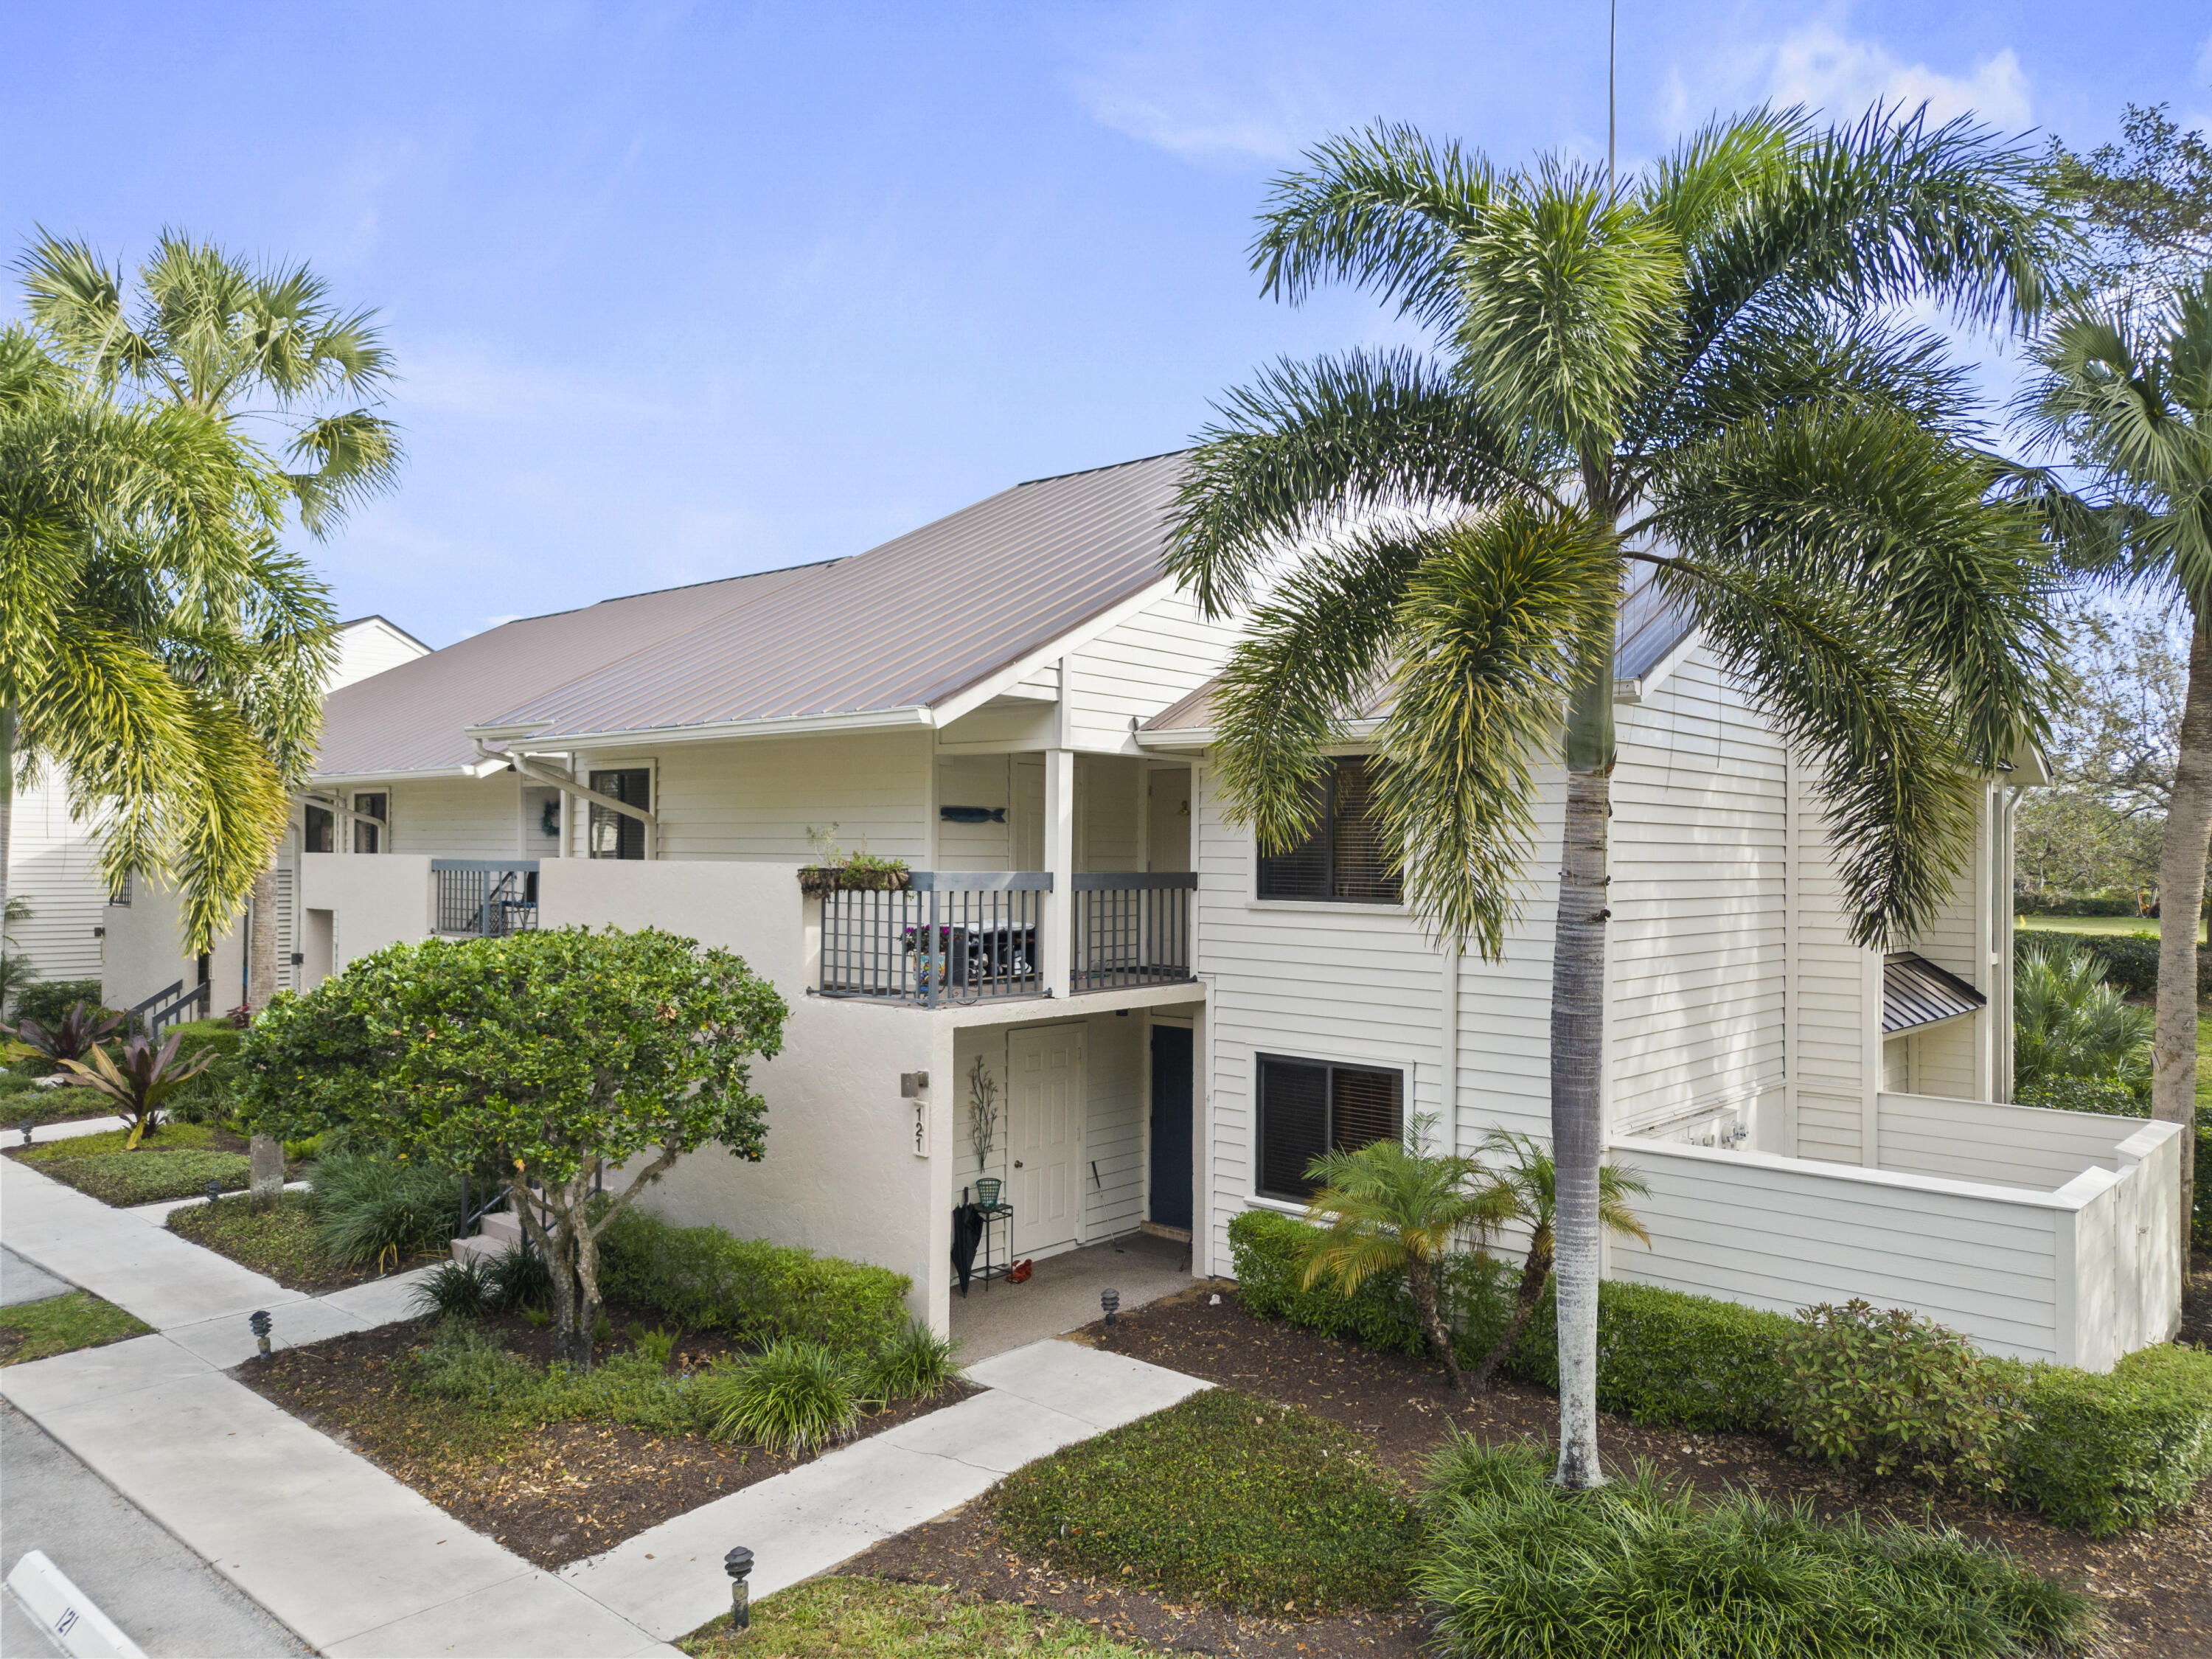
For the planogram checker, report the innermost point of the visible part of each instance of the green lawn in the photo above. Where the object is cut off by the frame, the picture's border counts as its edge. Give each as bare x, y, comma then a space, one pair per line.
2096, 925
38, 1330
281, 1243
875, 1619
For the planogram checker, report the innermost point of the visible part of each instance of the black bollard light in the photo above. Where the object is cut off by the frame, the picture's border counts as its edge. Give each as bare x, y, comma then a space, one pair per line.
1109, 1300
738, 1564
26, 1127
259, 1321
214, 1192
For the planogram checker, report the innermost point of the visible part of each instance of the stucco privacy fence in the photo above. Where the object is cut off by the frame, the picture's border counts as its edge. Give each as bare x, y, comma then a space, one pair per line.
2044, 1235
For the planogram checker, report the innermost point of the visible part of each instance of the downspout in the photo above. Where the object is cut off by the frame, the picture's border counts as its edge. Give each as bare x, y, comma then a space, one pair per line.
2000, 948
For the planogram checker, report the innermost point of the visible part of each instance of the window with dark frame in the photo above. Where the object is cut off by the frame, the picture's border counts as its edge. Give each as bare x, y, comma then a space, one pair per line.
320, 835
1308, 1107
369, 837
1343, 861
617, 835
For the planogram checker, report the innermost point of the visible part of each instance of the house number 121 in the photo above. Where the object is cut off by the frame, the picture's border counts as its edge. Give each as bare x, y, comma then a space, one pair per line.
920, 1127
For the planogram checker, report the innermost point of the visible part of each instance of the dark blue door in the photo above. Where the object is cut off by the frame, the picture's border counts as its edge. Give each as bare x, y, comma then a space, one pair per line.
1171, 1126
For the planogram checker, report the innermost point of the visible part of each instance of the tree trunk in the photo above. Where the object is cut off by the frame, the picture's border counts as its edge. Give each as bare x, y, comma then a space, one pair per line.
2181, 896
572, 1338
261, 942
1534, 1271
7, 794
265, 1167
1424, 1287
1577, 1074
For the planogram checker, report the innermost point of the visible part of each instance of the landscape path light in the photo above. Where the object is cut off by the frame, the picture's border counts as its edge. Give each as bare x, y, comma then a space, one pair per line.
26, 1127
738, 1564
1111, 1301
259, 1321
214, 1192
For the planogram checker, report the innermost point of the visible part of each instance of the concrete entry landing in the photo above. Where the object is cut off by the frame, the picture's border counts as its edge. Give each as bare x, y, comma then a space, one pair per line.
1062, 1295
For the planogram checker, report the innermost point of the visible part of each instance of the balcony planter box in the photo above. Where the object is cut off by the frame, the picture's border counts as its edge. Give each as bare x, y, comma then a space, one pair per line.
819, 879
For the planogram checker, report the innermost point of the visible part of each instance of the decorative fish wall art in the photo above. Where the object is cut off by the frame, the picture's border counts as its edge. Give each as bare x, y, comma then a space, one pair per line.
972, 814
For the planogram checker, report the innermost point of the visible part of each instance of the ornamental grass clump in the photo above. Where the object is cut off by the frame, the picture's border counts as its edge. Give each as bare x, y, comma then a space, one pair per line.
913, 1365
1224, 1496
374, 1209
794, 1397
1515, 1567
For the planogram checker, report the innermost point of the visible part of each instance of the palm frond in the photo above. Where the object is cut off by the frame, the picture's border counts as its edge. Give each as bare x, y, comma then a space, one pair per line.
1309, 446
1502, 619
355, 456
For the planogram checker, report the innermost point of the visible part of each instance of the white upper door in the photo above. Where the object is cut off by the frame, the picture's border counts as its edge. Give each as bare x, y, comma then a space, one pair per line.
1045, 1129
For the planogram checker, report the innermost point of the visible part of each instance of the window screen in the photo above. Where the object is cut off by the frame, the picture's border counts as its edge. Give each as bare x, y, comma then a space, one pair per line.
369, 837
1308, 1107
319, 836
1344, 858
615, 835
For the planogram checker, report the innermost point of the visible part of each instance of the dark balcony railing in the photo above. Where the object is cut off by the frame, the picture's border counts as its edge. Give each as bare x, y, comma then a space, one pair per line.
950, 936
1131, 930
488, 898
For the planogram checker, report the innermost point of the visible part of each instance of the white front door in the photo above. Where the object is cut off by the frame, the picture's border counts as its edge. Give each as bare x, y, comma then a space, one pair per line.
1045, 1130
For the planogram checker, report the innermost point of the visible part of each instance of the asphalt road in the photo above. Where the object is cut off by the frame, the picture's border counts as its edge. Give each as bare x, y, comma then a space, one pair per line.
165, 1597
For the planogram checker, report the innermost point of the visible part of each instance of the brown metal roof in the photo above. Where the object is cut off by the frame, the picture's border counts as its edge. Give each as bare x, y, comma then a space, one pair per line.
906, 625
1915, 992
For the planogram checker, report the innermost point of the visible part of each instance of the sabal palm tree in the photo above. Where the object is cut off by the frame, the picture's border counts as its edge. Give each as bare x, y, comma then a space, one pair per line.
1392, 1208
1522, 1190
152, 634
1699, 376
2067, 1023
257, 350
2126, 388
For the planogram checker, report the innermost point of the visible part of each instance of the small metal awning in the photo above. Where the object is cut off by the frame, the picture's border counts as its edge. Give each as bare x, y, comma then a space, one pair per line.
1915, 993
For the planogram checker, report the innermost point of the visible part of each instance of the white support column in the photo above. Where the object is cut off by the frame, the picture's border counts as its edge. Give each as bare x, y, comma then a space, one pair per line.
1059, 859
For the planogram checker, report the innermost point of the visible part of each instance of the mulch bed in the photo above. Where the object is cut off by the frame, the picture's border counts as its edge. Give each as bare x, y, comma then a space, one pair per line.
553, 1493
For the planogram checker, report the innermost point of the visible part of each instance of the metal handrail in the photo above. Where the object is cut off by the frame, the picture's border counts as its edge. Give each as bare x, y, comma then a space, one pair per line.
946, 936
1130, 928
488, 897
165, 1011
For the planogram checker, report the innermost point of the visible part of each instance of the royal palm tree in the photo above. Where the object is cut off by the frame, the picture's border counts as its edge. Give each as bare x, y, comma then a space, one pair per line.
2126, 389
1699, 376
257, 350
152, 635
1391, 1206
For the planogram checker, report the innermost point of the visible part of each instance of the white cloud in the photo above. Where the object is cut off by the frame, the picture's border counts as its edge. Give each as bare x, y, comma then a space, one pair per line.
1839, 74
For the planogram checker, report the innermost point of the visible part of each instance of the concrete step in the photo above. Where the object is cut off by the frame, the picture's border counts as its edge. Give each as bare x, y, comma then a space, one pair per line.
466, 1249
503, 1226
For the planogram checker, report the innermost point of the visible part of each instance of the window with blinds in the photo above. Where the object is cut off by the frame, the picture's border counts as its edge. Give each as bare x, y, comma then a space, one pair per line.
319, 834
373, 816
1343, 860
1308, 1107
614, 835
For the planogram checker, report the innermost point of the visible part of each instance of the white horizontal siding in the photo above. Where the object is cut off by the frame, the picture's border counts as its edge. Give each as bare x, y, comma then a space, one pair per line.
53, 866
1982, 1141
1780, 1234
1137, 667
453, 817
1113, 1174
984, 781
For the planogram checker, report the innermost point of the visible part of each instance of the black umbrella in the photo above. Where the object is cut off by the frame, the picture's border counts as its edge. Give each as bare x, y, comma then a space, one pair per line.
967, 1234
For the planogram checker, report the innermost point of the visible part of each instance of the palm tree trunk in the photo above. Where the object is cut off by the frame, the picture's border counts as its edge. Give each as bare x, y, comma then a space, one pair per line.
7, 794
1534, 1271
261, 941
1577, 1074
1424, 1287
2181, 897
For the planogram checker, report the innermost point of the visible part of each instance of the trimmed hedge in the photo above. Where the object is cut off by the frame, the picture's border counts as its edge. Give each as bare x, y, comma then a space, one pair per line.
704, 1279
2074, 905
2098, 1452
2102, 1452
48, 1000
1665, 1359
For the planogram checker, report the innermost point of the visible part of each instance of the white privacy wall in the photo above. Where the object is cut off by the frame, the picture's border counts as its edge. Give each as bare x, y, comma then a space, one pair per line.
53, 866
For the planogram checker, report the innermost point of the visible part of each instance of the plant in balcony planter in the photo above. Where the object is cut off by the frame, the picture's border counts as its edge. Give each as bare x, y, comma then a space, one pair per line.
145, 1078
840, 871
545, 1053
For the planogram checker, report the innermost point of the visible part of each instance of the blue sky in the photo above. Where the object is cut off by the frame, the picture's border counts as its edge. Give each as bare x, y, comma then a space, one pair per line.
682, 291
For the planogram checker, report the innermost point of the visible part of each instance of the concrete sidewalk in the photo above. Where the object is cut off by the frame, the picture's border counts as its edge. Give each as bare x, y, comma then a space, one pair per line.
668, 1580
350, 1560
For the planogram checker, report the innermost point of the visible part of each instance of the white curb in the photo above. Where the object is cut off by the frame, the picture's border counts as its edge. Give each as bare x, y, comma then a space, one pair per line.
64, 1613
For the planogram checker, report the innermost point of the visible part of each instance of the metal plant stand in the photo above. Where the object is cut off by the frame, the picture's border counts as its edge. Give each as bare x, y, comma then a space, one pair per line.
994, 1217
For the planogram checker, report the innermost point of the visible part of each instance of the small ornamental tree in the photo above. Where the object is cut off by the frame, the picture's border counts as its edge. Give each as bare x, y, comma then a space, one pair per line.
546, 1052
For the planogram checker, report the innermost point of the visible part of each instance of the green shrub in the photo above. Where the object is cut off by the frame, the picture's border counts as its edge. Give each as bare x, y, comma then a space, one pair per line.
208, 1097
793, 1396
520, 1280
148, 1177
913, 1365
455, 1290
47, 1001
467, 1364
1665, 1359
1897, 1393
281, 1241
704, 1279
1235, 1499
2084, 1094
1517, 1568
2101, 1452
2129, 960
372, 1209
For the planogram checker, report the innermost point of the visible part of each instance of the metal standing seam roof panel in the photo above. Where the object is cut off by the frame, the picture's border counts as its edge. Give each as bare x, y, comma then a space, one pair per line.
906, 624
1915, 992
